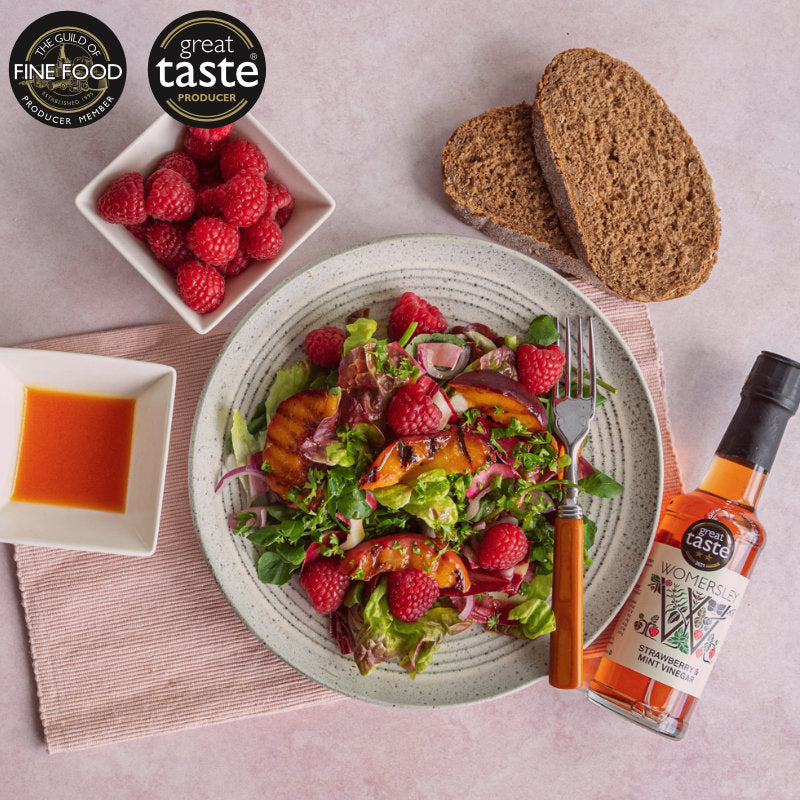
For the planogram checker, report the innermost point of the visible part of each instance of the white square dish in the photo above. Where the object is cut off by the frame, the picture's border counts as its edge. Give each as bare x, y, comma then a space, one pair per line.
132, 532
313, 205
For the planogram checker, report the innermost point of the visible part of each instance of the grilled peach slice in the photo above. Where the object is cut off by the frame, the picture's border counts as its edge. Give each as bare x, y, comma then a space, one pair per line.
407, 551
295, 420
500, 398
452, 450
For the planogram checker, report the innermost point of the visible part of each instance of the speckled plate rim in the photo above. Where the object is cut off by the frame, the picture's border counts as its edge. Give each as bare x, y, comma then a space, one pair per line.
362, 688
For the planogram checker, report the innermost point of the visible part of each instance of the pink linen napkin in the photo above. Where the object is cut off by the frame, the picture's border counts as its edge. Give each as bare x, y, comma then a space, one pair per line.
125, 647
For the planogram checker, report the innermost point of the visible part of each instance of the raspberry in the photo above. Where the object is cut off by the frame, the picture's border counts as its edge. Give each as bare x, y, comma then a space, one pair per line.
410, 593
200, 150
209, 200
245, 198
325, 584
210, 134
209, 173
410, 308
539, 368
168, 243
169, 196
263, 239
280, 203
239, 154
183, 164
323, 346
123, 201
239, 263
212, 240
282, 217
503, 546
412, 410
139, 230
201, 286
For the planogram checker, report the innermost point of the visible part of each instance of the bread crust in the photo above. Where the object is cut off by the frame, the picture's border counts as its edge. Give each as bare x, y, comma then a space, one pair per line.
647, 226
488, 163
521, 242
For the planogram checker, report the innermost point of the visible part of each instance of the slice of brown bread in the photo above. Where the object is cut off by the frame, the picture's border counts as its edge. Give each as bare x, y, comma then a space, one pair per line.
629, 186
493, 182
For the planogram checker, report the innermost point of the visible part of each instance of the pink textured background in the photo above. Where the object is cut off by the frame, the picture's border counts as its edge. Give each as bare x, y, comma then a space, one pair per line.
365, 97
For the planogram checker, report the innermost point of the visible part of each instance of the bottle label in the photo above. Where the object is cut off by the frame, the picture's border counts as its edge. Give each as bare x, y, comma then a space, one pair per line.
681, 609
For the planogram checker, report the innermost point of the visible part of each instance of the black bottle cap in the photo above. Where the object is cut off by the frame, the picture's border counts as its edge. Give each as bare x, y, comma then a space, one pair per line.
775, 378
770, 396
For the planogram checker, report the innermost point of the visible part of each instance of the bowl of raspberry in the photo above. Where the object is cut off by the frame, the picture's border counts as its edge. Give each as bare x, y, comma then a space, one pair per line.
204, 214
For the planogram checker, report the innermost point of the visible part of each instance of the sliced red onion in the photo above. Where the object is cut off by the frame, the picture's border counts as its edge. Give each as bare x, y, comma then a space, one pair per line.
372, 502
469, 605
481, 481
355, 536
259, 511
540, 494
442, 360
458, 403
258, 482
453, 412
468, 552
475, 502
440, 401
507, 574
522, 569
355, 532
237, 472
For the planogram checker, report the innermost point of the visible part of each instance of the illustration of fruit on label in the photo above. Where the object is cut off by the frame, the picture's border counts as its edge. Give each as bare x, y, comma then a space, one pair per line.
678, 620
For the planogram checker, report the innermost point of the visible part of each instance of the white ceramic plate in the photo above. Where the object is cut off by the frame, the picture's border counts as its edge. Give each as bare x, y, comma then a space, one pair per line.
313, 205
133, 532
470, 281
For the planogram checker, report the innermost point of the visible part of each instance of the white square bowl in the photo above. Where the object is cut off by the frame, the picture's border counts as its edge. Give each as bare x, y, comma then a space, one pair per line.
313, 205
133, 532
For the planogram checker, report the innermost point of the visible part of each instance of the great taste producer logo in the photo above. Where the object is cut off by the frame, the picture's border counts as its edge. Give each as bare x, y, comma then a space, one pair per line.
67, 69
206, 69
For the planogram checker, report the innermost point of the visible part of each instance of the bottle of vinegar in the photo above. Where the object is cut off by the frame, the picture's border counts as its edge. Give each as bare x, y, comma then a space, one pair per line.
670, 631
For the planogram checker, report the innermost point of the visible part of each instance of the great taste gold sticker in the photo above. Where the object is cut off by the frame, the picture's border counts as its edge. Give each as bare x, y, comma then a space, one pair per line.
67, 69
206, 69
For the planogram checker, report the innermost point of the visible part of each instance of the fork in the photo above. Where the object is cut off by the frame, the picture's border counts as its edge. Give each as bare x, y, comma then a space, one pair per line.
573, 410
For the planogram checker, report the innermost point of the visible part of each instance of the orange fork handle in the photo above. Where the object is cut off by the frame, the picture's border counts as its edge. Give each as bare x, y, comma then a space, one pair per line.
566, 641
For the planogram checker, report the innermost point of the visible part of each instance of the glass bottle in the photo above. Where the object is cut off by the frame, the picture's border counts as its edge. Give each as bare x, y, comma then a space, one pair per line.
669, 633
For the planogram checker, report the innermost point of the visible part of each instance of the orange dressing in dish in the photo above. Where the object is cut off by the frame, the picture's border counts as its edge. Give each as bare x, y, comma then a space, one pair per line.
74, 450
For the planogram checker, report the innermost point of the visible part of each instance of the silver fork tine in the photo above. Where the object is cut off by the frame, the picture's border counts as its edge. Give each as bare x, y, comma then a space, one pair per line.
568, 353
592, 375
579, 373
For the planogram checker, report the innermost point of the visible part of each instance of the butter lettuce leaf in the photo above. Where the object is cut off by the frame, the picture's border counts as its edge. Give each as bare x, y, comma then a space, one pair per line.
244, 443
288, 381
360, 332
379, 636
535, 617
428, 499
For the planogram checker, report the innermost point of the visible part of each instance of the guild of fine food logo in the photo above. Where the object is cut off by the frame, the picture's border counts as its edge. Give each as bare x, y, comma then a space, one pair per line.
67, 69
206, 69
